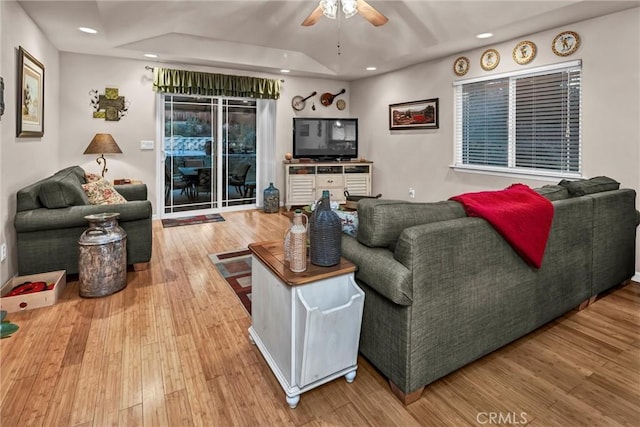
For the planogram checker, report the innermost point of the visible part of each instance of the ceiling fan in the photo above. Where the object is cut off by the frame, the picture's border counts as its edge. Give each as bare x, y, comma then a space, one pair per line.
329, 8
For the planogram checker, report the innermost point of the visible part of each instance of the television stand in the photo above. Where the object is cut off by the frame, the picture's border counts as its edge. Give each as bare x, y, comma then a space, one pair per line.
305, 181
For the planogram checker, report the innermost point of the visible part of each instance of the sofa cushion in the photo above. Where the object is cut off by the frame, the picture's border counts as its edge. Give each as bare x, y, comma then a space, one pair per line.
553, 192
380, 271
381, 221
76, 170
62, 190
590, 186
28, 197
38, 220
101, 192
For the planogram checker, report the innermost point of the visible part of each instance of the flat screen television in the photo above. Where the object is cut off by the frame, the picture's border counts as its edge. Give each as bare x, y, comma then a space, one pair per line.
323, 138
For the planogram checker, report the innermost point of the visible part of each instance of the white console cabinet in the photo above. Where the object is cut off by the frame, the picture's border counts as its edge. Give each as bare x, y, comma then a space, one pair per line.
306, 325
306, 181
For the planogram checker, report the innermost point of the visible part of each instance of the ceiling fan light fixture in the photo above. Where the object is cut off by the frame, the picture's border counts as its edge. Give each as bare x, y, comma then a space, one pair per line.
329, 8
349, 8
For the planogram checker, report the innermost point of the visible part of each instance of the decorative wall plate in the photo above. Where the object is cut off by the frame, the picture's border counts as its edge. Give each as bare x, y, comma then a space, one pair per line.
341, 104
461, 66
565, 43
524, 52
490, 59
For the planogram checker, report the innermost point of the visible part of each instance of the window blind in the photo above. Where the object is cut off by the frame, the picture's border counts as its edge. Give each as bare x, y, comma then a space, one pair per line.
485, 123
547, 121
521, 122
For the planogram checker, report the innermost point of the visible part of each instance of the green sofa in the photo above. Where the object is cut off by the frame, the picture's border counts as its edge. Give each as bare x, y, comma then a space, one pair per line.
50, 220
443, 289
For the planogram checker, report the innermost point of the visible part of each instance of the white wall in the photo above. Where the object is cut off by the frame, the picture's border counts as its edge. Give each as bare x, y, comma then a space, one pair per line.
24, 160
70, 126
421, 158
82, 73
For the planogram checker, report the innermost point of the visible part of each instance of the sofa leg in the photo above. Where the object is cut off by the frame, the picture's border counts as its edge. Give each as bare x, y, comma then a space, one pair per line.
141, 266
406, 398
586, 303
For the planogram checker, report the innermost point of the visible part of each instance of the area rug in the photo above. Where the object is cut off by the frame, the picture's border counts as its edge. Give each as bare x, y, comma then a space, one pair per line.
235, 267
197, 219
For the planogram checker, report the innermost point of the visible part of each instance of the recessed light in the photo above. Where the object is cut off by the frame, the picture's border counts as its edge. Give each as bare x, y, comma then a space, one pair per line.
371, 68
484, 35
87, 30
285, 71
150, 55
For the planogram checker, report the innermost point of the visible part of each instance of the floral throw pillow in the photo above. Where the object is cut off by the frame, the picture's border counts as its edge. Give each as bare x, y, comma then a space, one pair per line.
101, 192
349, 221
92, 177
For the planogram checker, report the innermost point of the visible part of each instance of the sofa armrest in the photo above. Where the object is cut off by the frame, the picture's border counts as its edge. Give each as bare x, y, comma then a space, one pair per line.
378, 269
73, 216
132, 191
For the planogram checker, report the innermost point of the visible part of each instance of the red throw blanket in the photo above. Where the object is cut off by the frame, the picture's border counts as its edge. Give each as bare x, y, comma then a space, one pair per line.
522, 216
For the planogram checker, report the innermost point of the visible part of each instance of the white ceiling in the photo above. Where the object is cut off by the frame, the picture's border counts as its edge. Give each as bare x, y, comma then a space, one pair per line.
267, 36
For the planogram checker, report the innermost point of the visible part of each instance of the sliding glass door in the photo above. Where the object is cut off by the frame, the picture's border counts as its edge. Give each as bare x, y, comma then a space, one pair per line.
209, 156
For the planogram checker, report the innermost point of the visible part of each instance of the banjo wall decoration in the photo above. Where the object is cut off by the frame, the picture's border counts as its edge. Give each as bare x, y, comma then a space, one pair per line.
298, 102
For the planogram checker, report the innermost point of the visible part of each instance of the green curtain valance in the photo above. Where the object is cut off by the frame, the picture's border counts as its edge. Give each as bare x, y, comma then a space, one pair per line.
167, 80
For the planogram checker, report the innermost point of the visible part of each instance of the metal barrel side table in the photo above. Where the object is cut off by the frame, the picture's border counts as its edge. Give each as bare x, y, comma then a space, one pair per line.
103, 256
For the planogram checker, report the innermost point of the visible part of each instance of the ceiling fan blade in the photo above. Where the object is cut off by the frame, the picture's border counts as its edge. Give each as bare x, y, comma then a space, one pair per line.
370, 14
313, 17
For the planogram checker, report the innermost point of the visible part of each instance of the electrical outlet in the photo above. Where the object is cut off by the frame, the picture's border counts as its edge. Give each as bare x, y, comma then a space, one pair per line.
412, 193
147, 144
3, 252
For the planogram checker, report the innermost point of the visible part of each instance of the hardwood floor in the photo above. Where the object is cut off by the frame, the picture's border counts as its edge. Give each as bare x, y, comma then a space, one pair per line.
172, 349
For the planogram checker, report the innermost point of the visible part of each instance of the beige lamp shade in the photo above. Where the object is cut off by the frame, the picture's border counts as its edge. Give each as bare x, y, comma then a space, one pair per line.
100, 144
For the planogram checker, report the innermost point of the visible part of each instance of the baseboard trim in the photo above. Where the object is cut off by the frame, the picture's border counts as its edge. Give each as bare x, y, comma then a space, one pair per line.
636, 278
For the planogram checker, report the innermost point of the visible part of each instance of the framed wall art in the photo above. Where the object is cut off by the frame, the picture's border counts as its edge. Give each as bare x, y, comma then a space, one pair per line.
565, 43
414, 115
524, 52
30, 91
461, 66
1, 96
490, 59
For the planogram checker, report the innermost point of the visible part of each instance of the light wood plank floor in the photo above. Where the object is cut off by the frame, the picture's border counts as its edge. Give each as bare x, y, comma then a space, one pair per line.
172, 350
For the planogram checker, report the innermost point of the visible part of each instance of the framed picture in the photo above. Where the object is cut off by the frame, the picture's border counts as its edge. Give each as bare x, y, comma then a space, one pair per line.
461, 66
414, 115
30, 90
1, 96
524, 52
565, 43
490, 59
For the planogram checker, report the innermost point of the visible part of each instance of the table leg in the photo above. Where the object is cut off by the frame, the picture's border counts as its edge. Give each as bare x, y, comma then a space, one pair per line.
350, 376
293, 401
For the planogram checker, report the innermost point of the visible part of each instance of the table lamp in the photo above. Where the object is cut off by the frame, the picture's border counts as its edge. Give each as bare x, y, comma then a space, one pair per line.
100, 144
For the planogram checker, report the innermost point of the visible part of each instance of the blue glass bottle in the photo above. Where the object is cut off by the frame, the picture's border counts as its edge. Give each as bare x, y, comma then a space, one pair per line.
271, 199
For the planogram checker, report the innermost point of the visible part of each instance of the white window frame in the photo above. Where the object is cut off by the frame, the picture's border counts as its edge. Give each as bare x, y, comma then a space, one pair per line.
511, 170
